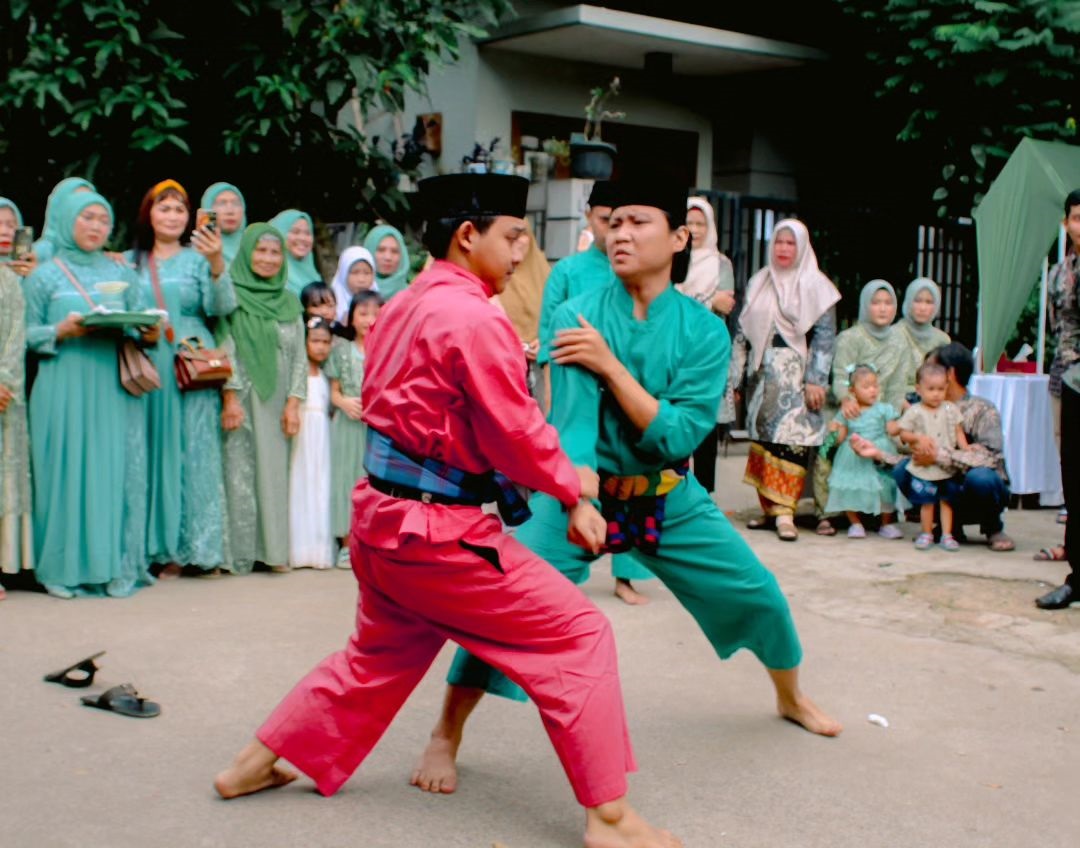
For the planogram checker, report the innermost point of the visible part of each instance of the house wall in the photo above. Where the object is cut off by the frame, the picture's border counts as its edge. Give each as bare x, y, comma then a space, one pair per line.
477, 94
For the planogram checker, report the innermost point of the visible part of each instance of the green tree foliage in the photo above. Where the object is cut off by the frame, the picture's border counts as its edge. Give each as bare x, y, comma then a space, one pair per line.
267, 94
971, 78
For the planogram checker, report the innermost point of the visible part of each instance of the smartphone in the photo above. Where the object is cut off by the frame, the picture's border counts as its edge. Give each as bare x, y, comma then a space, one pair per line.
206, 218
22, 246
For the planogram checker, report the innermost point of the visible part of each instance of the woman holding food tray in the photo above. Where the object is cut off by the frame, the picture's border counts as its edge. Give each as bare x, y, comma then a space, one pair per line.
87, 435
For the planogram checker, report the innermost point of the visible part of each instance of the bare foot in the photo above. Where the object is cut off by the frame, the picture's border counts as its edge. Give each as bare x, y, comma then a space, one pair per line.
437, 770
628, 594
806, 713
616, 825
254, 769
170, 572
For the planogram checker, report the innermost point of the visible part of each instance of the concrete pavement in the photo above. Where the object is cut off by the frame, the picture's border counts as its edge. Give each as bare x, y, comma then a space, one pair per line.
982, 693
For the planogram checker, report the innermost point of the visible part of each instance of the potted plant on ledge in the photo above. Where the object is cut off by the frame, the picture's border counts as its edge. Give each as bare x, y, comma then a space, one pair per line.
590, 157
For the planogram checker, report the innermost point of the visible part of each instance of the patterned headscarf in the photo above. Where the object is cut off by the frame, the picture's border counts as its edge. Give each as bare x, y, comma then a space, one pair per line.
10, 204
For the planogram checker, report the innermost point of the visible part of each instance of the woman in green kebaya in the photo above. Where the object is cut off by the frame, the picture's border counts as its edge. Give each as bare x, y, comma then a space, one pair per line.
186, 493
261, 403
87, 435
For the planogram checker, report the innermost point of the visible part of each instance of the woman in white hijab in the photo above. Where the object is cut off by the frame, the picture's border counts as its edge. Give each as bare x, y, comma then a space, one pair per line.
711, 278
355, 273
711, 282
784, 350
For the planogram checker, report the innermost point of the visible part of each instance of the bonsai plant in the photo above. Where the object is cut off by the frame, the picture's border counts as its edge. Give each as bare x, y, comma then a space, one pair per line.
590, 157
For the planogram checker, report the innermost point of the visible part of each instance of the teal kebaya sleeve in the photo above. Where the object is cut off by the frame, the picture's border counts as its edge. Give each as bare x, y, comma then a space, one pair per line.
689, 404
556, 290
575, 401
38, 291
217, 295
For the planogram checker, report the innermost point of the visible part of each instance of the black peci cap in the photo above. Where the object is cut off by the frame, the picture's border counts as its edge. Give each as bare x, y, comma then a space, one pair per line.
603, 194
646, 190
473, 195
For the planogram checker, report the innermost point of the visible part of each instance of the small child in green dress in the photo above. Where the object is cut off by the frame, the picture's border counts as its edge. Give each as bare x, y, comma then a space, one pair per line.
345, 369
856, 486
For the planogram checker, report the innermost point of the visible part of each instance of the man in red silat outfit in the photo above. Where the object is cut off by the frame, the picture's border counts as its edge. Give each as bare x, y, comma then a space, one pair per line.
446, 404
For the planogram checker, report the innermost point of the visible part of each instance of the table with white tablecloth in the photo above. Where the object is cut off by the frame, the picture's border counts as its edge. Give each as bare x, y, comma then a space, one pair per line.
1030, 453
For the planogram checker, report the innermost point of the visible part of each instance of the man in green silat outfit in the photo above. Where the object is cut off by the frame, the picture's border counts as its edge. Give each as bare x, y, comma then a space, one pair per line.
634, 392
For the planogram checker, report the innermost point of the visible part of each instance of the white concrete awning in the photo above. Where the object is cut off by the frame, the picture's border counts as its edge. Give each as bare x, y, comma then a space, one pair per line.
622, 40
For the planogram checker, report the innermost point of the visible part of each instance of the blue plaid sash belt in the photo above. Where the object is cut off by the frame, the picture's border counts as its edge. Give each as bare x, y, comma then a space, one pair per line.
400, 474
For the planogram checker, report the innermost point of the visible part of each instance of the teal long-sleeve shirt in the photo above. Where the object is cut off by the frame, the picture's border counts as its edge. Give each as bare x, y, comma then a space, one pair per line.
676, 354
570, 278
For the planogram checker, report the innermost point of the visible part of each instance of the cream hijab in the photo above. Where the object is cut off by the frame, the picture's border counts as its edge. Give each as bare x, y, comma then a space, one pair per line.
704, 274
786, 301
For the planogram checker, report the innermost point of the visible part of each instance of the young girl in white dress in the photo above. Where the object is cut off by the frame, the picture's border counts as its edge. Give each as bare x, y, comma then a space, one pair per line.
311, 544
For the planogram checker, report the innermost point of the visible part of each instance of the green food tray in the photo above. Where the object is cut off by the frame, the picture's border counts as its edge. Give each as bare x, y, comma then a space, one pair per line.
120, 320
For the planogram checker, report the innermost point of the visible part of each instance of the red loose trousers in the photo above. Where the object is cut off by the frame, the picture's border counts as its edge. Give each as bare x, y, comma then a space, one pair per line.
445, 378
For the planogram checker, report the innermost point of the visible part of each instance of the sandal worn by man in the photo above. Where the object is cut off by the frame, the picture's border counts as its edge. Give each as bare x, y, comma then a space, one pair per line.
1001, 542
123, 700
785, 529
1056, 554
77, 676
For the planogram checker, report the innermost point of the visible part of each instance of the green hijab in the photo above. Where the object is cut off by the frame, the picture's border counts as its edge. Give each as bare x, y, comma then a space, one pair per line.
63, 221
867, 295
45, 246
10, 204
261, 305
396, 282
301, 271
230, 242
924, 334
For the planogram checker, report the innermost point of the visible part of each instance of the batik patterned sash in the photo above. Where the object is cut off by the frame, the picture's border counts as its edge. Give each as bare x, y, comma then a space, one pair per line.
635, 506
390, 462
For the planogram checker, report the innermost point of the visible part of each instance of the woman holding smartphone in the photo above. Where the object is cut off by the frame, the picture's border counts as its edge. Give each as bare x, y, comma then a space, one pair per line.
186, 510
230, 208
16, 532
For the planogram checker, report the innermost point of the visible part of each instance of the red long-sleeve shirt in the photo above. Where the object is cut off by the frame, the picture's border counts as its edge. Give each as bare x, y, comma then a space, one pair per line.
445, 378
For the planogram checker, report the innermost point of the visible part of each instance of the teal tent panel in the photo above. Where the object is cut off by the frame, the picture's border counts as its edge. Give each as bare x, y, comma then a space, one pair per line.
1016, 223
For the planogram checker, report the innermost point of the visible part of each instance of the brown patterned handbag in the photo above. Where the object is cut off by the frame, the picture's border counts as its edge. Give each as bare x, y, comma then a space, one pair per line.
199, 367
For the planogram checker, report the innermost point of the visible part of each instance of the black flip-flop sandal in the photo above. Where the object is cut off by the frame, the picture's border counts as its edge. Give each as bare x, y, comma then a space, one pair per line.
68, 677
761, 523
123, 699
